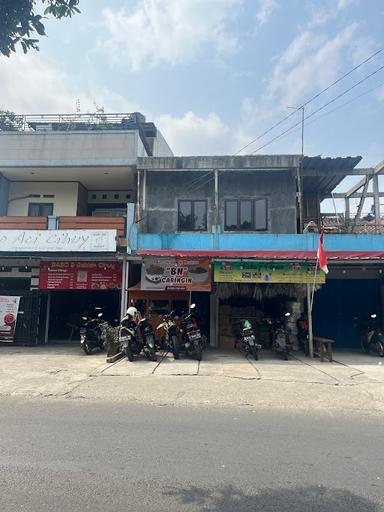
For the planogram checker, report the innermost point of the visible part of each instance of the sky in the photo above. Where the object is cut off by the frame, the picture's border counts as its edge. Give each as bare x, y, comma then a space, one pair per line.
216, 74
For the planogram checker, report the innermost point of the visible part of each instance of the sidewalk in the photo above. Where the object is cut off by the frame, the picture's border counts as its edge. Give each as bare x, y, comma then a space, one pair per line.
352, 381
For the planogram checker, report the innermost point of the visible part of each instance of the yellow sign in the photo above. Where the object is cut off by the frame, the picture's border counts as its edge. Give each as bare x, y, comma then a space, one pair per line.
250, 271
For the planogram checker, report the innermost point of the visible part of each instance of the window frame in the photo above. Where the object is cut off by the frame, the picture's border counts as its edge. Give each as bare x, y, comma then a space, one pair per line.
192, 201
52, 205
238, 211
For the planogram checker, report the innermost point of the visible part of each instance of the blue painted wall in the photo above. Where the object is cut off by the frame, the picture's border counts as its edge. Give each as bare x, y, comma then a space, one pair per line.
337, 305
249, 241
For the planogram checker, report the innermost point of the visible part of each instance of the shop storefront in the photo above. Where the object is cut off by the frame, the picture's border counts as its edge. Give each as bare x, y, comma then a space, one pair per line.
171, 283
77, 288
256, 290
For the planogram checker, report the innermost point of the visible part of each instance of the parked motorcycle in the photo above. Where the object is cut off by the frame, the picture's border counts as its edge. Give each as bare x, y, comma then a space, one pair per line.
192, 341
170, 340
281, 343
90, 334
372, 340
248, 340
148, 338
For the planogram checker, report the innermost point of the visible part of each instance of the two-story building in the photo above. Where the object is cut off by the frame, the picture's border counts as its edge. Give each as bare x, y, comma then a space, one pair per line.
227, 233
67, 190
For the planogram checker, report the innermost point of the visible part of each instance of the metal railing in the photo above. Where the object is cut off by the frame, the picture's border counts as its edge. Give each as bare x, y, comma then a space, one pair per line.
62, 122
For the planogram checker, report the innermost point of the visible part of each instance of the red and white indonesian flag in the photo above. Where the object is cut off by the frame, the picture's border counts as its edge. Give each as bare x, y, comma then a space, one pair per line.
321, 256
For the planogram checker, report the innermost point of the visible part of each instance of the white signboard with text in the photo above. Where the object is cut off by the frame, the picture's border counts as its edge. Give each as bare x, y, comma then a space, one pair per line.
9, 307
60, 240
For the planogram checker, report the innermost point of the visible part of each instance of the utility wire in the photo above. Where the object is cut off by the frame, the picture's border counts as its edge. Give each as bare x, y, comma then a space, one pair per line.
312, 99
319, 109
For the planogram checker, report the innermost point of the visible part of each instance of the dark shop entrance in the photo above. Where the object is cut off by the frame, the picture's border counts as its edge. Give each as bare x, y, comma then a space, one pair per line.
67, 307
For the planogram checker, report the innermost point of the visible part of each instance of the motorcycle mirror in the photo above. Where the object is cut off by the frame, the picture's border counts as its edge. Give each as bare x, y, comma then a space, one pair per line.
192, 306
100, 314
373, 315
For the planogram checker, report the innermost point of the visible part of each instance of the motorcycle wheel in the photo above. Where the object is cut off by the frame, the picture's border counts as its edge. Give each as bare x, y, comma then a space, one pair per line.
152, 354
376, 348
87, 349
175, 347
285, 355
199, 353
129, 353
255, 353
101, 347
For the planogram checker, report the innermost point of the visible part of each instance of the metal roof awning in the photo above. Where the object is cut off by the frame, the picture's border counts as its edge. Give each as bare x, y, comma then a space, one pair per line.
322, 175
266, 255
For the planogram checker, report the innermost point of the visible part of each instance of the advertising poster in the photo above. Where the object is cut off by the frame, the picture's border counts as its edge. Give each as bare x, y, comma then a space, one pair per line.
9, 307
239, 271
191, 274
80, 275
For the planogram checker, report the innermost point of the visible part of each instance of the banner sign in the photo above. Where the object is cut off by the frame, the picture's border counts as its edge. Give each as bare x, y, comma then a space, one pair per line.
58, 240
80, 275
250, 271
9, 307
191, 274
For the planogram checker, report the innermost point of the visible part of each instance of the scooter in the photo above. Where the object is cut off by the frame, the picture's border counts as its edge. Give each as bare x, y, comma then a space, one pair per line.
148, 337
90, 334
170, 340
281, 343
248, 340
192, 341
128, 339
372, 340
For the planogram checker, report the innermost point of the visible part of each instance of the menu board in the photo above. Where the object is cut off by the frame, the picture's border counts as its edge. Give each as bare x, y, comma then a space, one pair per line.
9, 306
80, 275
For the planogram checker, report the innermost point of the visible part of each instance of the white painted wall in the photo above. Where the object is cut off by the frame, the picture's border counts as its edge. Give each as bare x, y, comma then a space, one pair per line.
161, 147
68, 148
65, 200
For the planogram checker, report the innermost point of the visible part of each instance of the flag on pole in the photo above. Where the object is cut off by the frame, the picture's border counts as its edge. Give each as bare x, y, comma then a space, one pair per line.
321, 256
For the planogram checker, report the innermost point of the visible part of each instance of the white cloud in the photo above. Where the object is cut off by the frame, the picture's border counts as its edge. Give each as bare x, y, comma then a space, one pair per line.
309, 64
194, 135
170, 31
33, 84
265, 11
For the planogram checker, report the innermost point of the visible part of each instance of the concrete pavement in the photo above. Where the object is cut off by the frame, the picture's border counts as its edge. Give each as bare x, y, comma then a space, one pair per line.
352, 381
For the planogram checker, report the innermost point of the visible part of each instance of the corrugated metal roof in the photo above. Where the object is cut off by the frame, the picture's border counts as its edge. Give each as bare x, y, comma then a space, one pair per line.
323, 185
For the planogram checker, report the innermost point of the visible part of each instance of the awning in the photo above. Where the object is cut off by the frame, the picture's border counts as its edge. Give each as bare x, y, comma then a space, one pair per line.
266, 255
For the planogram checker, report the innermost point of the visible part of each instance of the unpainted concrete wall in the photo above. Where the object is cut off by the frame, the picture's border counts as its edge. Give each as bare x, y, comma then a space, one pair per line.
164, 189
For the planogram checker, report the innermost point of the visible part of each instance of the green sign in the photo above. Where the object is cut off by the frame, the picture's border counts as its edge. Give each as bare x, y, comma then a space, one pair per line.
250, 271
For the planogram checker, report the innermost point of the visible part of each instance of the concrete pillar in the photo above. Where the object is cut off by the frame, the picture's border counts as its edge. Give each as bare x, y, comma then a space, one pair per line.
214, 317
4, 192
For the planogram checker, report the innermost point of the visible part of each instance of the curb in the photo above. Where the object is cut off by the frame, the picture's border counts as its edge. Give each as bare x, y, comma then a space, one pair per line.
116, 357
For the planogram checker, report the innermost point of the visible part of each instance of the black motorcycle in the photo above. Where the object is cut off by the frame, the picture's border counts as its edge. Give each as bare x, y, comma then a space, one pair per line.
148, 338
372, 338
192, 340
247, 340
281, 342
91, 335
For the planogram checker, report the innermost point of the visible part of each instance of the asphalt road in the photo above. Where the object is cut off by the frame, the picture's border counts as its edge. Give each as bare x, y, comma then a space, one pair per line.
82, 456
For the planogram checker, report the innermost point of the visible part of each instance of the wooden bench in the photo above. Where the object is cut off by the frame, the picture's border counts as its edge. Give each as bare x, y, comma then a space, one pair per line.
323, 347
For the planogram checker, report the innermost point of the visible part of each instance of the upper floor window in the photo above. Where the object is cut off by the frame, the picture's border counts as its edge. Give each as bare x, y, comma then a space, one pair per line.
246, 215
192, 216
40, 209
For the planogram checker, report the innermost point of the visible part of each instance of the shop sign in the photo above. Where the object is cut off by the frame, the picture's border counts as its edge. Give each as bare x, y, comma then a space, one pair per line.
9, 307
249, 271
176, 274
58, 240
80, 275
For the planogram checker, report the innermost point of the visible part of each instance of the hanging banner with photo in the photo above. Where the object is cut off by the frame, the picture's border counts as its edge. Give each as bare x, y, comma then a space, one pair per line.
191, 274
250, 271
9, 307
